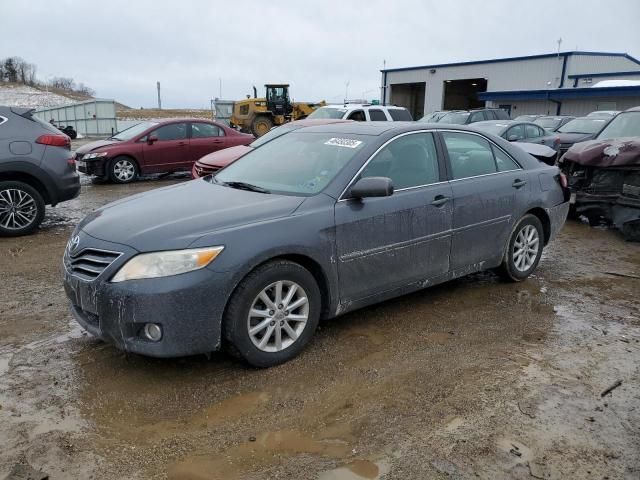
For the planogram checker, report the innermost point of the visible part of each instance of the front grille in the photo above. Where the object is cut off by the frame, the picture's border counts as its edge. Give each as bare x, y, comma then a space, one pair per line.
89, 263
203, 170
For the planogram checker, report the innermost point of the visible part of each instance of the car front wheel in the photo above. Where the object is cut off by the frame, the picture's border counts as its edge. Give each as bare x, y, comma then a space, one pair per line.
524, 249
273, 314
123, 170
21, 209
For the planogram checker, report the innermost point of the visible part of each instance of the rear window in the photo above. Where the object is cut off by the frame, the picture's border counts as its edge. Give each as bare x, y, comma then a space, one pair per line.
455, 118
400, 115
584, 125
548, 123
377, 115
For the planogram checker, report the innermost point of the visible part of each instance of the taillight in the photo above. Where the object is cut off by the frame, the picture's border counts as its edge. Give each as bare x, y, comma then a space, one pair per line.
563, 180
54, 140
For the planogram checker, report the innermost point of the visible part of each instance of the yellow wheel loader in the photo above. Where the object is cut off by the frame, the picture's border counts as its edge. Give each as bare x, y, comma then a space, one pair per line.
258, 115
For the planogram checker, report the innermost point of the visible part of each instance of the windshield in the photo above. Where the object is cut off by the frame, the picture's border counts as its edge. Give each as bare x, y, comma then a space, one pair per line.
456, 118
625, 124
326, 112
548, 123
129, 133
495, 128
295, 164
583, 125
267, 137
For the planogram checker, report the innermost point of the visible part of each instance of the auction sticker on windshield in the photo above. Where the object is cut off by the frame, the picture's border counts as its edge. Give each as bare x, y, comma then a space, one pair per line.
343, 142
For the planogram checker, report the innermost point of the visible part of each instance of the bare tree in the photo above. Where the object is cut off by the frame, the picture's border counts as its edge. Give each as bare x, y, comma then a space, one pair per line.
63, 83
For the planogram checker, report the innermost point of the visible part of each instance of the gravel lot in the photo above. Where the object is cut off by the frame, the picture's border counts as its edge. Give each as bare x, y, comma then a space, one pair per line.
472, 379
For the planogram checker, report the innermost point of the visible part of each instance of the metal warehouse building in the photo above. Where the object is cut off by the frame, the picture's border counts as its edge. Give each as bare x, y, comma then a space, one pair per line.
563, 83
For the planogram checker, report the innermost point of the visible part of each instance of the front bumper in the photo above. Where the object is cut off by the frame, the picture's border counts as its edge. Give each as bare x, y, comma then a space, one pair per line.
188, 307
93, 166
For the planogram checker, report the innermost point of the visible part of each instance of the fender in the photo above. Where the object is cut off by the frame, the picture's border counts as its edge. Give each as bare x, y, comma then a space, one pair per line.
34, 171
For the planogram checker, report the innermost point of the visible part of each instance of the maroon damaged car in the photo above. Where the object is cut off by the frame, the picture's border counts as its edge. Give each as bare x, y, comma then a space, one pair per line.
164, 146
217, 160
604, 175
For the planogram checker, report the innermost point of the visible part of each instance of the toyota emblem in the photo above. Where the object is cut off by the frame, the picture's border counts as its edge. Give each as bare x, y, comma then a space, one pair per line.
73, 243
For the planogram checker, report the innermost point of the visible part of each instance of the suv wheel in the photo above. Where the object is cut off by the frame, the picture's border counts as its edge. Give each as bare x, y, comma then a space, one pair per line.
21, 209
524, 249
273, 314
123, 170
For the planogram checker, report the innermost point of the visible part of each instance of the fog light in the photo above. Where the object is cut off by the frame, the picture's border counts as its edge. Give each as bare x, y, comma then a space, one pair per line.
153, 332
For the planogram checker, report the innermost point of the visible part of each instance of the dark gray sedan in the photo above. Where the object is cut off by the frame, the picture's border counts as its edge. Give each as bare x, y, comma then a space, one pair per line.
517, 131
311, 225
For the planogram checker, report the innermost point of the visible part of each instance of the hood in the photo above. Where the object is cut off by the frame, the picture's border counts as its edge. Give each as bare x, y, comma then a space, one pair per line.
174, 217
616, 152
222, 158
90, 147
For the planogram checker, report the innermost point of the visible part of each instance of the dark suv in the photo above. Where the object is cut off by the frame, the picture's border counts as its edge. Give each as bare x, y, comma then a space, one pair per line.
36, 169
465, 117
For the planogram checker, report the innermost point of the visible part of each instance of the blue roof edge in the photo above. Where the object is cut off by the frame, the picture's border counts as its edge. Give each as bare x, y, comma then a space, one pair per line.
511, 59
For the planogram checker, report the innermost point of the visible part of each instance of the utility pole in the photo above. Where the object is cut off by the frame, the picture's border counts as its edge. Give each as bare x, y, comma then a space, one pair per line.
220, 96
159, 100
559, 41
346, 91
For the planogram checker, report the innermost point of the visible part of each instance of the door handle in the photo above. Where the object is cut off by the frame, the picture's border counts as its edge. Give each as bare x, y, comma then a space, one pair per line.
216, 141
440, 200
182, 143
517, 183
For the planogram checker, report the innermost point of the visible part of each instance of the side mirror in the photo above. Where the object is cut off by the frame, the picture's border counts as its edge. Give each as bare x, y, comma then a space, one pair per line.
372, 187
151, 139
513, 138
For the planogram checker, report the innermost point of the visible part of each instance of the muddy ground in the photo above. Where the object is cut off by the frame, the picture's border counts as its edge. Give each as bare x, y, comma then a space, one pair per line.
472, 379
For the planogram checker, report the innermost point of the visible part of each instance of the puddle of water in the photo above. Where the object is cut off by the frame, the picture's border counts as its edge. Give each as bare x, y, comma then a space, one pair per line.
357, 470
234, 461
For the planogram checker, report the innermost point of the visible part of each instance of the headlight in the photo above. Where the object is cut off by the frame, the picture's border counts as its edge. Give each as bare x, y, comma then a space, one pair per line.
164, 264
95, 155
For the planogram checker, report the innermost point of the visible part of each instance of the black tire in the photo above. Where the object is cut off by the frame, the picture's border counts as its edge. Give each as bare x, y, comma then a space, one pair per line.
508, 270
117, 166
32, 207
261, 125
235, 324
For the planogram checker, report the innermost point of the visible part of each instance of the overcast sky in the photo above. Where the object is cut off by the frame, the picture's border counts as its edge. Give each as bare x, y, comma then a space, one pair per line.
121, 48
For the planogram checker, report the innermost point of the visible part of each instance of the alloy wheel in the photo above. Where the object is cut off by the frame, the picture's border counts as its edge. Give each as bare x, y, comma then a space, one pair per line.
526, 248
124, 170
278, 316
18, 209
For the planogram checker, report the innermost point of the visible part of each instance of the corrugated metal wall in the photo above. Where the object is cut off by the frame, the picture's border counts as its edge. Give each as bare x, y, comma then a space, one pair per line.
93, 118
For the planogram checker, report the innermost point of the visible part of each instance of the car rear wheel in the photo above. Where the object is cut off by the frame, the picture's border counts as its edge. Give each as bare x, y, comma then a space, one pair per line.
524, 249
21, 209
273, 314
123, 170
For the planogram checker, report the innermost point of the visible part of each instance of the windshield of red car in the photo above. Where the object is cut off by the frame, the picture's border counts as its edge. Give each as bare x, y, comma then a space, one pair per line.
131, 132
625, 124
295, 164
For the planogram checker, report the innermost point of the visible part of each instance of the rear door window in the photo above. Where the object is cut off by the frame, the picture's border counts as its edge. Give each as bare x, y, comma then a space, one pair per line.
469, 155
503, 161
376, 115
476, 117
400, 115
205, 130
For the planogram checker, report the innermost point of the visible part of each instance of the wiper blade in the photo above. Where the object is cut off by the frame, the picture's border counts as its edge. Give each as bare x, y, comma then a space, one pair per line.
246, 186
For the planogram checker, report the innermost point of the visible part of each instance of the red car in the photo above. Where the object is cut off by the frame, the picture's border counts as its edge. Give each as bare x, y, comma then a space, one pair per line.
215, 161
156, 147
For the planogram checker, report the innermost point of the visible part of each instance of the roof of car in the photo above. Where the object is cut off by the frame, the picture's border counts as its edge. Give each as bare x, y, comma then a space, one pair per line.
499, 123
310, 122
363, 105
379, 128
557, 117
633, 109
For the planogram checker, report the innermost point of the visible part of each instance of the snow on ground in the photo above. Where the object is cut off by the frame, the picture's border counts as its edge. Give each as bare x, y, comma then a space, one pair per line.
25, 96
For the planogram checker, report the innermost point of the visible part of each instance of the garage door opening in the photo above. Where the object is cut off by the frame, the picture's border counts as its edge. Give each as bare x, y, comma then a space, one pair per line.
463, 94
410, 96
